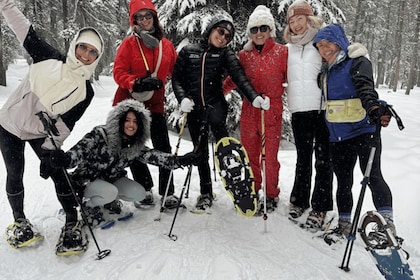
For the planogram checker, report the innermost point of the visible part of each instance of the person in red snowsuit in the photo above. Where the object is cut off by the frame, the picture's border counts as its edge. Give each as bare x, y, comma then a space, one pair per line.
142, 64
265, 65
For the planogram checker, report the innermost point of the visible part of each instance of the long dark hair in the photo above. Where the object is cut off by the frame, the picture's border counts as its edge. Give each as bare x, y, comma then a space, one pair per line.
159, 32
140, 128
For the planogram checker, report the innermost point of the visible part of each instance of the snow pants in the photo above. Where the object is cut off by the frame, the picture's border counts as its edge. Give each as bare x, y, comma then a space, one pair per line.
250, 127
100, 192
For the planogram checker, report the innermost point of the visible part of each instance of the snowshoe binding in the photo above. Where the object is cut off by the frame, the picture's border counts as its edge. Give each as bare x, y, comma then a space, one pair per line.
73, 240
22, 233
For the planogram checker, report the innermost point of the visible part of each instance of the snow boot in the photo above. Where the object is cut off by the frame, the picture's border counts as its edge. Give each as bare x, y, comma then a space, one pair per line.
94, 215
337, 234
315, 220
114, 207
204, 201
148, 200
171, 202
295, 211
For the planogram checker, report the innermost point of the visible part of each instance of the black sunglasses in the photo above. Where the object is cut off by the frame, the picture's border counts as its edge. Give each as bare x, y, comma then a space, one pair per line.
224, 32
140, 17
91, 52
262, 28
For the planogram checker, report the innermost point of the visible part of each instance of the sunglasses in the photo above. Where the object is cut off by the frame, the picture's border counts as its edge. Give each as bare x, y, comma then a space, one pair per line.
85, 48
262, 28
141, 17
224, 32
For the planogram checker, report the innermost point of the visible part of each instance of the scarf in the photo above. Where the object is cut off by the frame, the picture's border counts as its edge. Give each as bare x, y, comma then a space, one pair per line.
304, 38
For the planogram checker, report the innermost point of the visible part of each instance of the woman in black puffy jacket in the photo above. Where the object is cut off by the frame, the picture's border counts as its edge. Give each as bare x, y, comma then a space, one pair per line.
197, 81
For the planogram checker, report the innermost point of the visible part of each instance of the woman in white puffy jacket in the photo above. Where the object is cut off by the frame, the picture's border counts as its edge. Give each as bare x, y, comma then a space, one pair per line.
309, 128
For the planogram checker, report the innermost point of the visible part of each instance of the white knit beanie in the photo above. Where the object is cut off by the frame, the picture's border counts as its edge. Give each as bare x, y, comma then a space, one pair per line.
260, 16
90, 37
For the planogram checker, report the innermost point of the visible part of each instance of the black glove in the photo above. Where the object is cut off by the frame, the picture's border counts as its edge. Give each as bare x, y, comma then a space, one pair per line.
45, 169
147, 84
189, 158
378, 113
53, 160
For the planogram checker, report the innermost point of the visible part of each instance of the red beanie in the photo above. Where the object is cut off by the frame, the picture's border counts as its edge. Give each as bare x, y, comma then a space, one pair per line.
137, 5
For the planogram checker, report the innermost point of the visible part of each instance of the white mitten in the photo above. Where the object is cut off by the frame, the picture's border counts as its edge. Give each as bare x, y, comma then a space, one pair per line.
260, 102
187, 105
356, 50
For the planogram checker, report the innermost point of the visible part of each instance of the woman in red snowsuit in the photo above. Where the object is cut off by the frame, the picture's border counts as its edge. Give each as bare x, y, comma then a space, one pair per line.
265, 65
143, 62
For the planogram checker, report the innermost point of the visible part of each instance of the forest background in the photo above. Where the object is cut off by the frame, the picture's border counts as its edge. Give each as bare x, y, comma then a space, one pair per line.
389, 29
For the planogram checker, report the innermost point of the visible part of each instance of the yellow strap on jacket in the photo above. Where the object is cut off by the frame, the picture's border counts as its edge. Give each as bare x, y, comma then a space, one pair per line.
348, 110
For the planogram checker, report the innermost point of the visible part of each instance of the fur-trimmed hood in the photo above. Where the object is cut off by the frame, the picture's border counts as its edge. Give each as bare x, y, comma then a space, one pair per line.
112, 127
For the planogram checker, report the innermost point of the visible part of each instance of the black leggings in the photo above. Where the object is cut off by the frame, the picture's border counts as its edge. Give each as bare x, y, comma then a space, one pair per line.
344, 157
13, 149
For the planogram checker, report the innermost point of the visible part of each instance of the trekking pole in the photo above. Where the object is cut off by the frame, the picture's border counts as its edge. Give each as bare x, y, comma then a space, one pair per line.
51, 129
365, 182
203, 129
352, 235
181, 131
214, 164
264, 180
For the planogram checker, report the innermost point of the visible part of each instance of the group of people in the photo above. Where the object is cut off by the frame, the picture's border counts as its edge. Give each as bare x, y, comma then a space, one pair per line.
314, 68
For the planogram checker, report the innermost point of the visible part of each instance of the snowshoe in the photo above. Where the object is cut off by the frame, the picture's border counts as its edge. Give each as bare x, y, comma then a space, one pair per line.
232, 162
21, 234
72, 241
384, 247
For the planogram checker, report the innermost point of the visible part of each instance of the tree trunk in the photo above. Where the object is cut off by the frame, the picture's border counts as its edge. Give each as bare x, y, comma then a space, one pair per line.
359, 17
383, 51
398, 38
414, 55
3, 81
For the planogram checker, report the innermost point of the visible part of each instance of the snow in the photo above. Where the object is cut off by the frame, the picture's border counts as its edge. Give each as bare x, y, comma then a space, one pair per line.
221, 245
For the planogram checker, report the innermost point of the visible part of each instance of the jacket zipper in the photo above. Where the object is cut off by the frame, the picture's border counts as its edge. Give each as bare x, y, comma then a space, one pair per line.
64, 98
203, 62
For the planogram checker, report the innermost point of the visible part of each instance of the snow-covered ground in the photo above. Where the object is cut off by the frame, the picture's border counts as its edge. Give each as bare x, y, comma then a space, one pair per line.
222, 245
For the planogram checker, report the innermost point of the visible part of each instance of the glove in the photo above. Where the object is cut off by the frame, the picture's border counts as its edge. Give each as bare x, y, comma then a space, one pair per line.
189, 158
147, 84
45, 169
59, 159
187, 105
356, 50
378, 114
53, 160
261, 102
